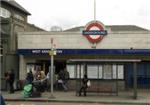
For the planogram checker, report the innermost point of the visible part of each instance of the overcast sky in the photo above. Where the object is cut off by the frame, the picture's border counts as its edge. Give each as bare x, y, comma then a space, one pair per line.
71, 13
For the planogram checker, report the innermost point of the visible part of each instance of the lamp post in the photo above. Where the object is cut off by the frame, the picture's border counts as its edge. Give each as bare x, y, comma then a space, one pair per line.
52, 52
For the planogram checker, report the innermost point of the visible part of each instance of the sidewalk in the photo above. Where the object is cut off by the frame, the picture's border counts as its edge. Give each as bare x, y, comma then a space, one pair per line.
122, 98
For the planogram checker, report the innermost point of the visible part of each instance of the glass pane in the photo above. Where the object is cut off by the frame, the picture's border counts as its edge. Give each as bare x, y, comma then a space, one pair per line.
107, 72
0, 11
80, 72
4, 13
30, 67
114, 68
120, 72
71, 70
92, 71
100, 74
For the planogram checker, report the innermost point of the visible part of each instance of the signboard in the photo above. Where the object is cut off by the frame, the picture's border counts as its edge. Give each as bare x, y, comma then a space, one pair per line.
52, 52
94, 31
82, 51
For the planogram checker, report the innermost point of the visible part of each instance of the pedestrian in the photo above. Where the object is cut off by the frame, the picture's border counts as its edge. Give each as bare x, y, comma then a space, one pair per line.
6, 80
84, 85
43, 76
61, 80
66, 78
29, 77
11, 80
2, 101
37, 75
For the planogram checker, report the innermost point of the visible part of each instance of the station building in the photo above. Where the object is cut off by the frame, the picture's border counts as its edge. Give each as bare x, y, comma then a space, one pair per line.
115, 51
13, 19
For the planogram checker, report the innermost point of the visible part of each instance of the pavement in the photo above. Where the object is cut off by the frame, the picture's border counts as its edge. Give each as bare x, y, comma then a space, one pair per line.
123, 97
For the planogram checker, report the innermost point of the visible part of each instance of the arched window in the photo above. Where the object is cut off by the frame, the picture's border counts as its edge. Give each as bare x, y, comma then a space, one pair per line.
4, 13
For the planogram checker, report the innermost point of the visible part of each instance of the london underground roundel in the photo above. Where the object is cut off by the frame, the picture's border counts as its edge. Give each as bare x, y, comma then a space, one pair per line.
94, 31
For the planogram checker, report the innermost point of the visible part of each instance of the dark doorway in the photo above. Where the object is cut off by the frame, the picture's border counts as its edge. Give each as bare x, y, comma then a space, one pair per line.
59, 65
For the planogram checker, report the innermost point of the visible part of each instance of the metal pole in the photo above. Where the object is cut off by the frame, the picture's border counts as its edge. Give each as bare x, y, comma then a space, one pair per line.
94, 10
117, 79
51, 68
52, 63
135, 79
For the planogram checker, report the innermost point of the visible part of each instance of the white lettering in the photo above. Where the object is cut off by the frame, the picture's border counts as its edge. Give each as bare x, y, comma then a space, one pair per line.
59, 51
45, 51
36, 51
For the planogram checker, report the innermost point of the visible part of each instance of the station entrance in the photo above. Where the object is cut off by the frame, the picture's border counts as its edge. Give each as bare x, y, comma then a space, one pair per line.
45, 64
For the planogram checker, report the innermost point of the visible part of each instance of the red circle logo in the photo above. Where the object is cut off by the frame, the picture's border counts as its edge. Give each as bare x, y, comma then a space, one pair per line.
94, 31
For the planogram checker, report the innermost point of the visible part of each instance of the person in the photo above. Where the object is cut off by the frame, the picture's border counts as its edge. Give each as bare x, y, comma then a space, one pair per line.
37, 75
42, 75
11, 80
6, 80
2, 101
84, 85
66, 78
29, 77
43, 81
48, 81
61, 80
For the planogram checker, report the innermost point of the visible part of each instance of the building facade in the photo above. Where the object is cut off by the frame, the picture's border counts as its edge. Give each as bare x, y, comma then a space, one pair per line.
13, 19
120, 43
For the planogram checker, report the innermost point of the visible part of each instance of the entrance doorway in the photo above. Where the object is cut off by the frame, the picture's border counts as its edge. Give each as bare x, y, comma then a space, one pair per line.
58, 65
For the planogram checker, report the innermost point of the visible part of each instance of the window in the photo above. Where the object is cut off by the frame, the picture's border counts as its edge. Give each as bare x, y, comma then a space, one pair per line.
120, 72
79, 72
71, 70
19, 17
118, 69
4, 13
105, 71
92, 71
100, 72
114, 70
30, 67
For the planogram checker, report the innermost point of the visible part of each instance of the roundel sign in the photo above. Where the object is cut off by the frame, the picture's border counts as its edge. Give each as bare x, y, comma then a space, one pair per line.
94, 31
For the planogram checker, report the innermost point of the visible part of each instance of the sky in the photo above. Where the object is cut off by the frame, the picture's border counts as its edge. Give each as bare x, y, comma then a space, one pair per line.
71, 13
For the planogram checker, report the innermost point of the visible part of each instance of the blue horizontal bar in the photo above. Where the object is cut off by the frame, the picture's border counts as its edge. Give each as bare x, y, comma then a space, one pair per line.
86, 51
94, 32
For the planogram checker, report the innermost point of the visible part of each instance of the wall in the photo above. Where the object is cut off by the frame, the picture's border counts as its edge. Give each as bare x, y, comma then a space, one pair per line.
64, 40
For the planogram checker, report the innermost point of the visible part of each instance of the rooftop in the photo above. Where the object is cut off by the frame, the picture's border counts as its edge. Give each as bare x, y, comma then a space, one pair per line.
14, 4
113, 28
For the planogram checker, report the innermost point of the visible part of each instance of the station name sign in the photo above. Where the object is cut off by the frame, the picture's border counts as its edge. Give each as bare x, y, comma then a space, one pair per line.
43, 51
94, 31
82, 51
